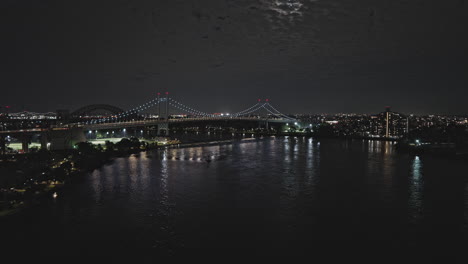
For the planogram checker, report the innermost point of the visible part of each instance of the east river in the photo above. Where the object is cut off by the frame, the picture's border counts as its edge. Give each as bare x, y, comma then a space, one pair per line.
324, 199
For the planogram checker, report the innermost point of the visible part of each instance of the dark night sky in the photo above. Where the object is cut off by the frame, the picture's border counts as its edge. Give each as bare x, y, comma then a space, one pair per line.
310, 56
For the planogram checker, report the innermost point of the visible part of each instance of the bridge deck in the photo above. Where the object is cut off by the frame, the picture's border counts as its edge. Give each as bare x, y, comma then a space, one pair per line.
181, 120
151, 122
31, 130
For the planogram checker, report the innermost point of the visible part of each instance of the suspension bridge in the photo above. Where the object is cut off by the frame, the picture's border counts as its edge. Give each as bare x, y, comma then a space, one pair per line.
164, 104
62, 136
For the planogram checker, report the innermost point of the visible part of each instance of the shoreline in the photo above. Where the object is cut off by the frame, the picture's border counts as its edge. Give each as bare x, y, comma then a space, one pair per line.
35, 192
23, 198
211, 143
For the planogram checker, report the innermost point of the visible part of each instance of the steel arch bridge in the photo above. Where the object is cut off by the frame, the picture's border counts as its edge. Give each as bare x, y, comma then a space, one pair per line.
86, 110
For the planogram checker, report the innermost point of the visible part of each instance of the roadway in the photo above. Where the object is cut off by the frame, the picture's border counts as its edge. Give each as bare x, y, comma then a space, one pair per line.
153, 122
140, 123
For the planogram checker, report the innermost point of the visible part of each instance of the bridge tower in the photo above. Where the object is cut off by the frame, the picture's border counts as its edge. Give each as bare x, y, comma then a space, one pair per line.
266, 121
159, 105
167, 106
163, 126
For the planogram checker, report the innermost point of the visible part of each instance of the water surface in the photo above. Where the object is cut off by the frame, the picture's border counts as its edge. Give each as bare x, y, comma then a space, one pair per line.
330, 199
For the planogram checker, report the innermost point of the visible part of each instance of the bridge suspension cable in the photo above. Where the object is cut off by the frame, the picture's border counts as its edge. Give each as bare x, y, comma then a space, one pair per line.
267, 106
276, 112
127, 113
176, 104
187, 109
269, 111
249, 110
279, 115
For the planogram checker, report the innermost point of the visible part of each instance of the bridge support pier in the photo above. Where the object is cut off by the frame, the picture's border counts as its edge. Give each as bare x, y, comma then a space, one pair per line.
25, 141
163, 129
66, 139
263, 124
2, 145
25, 145
44, 140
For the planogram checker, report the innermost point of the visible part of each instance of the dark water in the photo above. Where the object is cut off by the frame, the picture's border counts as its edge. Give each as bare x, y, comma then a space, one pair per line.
328, 200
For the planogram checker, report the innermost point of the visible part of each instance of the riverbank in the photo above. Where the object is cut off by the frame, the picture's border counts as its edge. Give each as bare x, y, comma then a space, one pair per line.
28, 177
211, 143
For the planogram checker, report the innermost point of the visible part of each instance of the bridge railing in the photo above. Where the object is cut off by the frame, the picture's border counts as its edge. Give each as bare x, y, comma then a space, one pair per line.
177, 120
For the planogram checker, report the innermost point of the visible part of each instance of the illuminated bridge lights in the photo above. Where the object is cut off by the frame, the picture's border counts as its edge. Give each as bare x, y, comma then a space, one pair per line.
178, 105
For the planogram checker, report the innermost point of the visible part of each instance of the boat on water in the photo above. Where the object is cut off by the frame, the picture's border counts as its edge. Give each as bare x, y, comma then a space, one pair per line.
418, 147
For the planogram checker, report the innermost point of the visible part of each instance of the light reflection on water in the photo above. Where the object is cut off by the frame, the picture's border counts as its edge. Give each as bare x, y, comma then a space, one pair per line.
288, 195
416, 189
